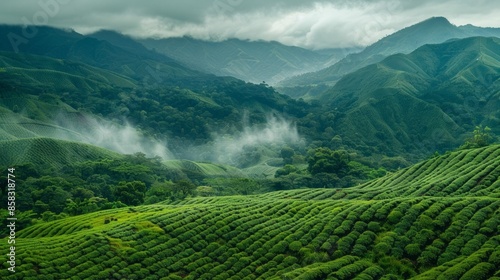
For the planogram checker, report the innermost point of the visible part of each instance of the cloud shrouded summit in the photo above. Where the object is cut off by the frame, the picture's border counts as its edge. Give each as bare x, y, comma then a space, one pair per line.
310, 24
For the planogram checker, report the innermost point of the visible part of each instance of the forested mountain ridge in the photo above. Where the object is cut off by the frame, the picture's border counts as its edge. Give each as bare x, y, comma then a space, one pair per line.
432, 31
113, 96
137, 63
373, 111
421, 101
42, 72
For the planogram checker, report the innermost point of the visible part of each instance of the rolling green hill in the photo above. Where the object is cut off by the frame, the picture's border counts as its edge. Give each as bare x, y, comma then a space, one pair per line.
31, 116
432, 31
54, 153
421, 102
50, 152
438, 219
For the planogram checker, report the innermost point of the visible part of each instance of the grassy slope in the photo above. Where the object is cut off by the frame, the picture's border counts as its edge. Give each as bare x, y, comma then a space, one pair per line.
54, 153
33, 136
16, 126
436, 220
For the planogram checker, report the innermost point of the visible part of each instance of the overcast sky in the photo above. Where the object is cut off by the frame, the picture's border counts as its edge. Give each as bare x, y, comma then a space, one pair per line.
310, 24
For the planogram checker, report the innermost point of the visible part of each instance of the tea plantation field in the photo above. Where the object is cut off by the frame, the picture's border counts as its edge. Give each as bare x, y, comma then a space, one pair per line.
51, 152
439, 219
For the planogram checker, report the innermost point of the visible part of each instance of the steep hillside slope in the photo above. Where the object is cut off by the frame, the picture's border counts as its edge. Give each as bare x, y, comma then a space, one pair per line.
436, 220
432, 31
423, 101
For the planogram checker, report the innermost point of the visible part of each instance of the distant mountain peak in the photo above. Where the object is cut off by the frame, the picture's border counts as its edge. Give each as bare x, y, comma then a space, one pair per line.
436, 20
432, 24
434, 30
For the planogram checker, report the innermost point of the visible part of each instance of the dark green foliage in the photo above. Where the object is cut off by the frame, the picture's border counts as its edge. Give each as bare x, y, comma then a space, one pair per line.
286, 170
130, 193
233, 186
287, 154
324, 160
295, 246
481, 137
182, 189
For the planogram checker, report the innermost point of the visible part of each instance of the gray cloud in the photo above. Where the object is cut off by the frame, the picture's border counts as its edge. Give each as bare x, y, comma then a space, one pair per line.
311, 24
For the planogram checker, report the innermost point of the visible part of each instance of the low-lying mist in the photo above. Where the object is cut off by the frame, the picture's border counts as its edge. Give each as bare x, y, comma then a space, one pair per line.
250, 146
262, 141
128, 140
124, 139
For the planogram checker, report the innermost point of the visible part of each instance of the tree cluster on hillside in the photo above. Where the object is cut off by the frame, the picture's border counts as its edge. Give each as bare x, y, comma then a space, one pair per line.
326, 168
89, 186
481, 137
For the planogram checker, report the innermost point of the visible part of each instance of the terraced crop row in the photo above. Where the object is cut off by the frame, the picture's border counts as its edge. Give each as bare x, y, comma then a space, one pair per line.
48, 151
464, 173
439, 219
459, 174
263, 237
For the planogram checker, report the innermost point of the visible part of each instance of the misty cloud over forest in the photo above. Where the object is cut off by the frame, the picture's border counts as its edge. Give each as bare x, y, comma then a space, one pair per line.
229, 149
223, 148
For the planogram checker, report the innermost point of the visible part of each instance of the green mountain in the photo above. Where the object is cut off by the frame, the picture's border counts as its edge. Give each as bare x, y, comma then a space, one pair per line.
147, 67
128, 84
432, 31
56, 154
252, 61
423, 101
42, 72
435, 220
379, 109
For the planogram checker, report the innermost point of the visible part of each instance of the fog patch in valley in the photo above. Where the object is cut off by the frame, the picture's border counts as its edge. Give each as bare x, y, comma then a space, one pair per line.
263, 140
124, 139
251, 145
